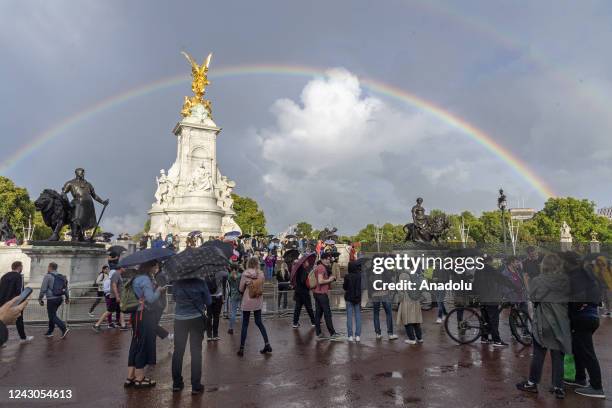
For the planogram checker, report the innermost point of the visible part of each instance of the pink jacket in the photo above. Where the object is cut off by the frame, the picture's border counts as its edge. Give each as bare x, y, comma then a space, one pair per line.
250, 304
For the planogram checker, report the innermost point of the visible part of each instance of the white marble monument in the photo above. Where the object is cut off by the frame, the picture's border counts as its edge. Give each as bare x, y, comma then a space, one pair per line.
193, 195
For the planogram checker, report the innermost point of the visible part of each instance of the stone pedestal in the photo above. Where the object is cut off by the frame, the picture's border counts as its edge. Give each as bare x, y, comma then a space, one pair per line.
595, 248
566, 244
10, 254
79, 262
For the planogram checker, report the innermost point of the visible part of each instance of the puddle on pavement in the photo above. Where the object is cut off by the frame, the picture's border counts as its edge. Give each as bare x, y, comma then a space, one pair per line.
388, 374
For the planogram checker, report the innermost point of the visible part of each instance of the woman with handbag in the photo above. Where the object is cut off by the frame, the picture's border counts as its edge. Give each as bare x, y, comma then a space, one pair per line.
251, 286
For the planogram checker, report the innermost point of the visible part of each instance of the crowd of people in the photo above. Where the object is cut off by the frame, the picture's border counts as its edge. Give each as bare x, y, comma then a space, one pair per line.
563, 293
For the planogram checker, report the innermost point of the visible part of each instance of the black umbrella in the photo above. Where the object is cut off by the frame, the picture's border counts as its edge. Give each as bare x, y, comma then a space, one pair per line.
310, 258
290, 256
194, 233
232, 234
117, 249
290, 236
146, 255
245, 236
195, 263
226, 248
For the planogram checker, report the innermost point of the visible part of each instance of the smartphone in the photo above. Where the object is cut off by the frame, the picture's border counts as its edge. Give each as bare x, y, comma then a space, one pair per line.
23, 296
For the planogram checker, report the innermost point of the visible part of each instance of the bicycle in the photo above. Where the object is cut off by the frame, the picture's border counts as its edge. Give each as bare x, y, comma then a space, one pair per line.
464, 324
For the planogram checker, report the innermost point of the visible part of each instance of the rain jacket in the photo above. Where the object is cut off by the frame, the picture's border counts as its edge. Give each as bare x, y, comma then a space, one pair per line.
551, 324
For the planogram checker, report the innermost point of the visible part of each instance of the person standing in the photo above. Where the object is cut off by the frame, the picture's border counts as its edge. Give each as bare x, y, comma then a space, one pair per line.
603, 273
283, 278
551, 325
54, 287
192, 298
235, 297
382, 298
99, 285
216, 289
301, 294
352, 297
251, 286
409, 312
270, 262
11, 285
320, 292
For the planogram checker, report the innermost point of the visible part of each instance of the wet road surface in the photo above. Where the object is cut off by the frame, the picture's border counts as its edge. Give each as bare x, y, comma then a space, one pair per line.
300, 373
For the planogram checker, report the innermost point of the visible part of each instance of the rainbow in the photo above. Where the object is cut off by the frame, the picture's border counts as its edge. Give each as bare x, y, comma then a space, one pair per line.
378, 87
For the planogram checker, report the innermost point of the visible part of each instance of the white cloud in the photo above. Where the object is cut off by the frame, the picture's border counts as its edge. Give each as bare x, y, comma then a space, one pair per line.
130, 223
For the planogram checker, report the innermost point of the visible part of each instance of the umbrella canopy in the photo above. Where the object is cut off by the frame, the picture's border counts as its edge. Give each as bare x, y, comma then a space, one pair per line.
194, 233
276, 240
195, 263
116, 249
298, 264
270, 236
330, 242
290, 236
245, 236
146, 255
233, 234
227, 249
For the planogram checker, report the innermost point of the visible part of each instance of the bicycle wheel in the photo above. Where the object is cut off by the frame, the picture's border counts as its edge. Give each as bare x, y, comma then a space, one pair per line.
520, 326
463, 325
426, 300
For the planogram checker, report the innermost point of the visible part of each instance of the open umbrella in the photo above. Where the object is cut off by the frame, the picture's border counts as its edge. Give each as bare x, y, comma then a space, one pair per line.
233, 234
194, 233
245, 236
276, 240
146, 255
298, 264
116, 249
195, 263
330, 242
291, 255
290, 236
226, 248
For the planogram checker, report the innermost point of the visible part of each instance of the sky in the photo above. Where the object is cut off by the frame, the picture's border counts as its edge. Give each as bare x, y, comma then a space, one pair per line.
329, 148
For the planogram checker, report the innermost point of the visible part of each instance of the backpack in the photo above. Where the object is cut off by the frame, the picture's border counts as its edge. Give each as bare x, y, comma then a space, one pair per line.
311, 279
59, 285
129, 301
211, 282
256, 288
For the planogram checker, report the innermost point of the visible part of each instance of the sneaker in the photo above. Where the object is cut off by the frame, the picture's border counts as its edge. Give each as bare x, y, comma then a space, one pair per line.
337, 337
26, 340
485, 341
320, 337
65, 333
111, 325
295, 326
559, 393
357, 339
574, 383
439, 320
209, 339
378, 336
49, 335
124, 328
408, 341
527, 387
4, 345
216, 338
240, 352
499, 344
419, 340
177, 387
590, 392
96, 328
197, 390
91, 314
393, 337
350, 338
312, 325
266, 349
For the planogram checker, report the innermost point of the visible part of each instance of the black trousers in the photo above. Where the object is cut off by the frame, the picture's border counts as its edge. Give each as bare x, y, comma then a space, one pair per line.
413, 331
490, 314
214, 311
52, 306
194, 330
20, 327
302, 299
584, 351
322, 308
537, 363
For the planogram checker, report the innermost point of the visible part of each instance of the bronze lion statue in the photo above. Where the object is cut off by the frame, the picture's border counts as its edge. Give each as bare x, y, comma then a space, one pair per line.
55, 210
437, 225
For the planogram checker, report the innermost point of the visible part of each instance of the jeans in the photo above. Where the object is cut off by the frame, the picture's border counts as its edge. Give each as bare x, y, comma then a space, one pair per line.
322, 308
246, 316
194, 329
353, 309
97, 301
269, 272
234, 305
439, 296
388, 312
20, 327
302, 299
283, 287
584, 351
490, 314
52, 306
214, 311
413, 331
537, 363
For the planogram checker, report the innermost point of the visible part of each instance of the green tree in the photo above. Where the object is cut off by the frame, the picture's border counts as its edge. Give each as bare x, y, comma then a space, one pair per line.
248, 215
15, 205
304, 229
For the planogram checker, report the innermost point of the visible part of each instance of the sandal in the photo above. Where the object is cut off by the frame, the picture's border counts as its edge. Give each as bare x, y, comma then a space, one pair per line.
144, 383
128, 382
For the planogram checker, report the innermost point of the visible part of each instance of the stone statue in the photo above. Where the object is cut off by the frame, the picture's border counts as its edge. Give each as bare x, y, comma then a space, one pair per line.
199, 73
425, 228
201, 180
594, 236
162, 187
55, 210
6, 231
83, 210
225, 187
566, 232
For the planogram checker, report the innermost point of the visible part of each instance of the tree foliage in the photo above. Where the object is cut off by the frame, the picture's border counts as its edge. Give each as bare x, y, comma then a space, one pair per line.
304, 229
248, 215
15, 205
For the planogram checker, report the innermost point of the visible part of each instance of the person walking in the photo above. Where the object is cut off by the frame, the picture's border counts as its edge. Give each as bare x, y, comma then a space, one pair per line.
142, 351
11, 285
382, 298
301, 293
235, 297
409, 312
251, 286
192, 298
352, 297
324, 279
283, 278
551, 325
9, 313
112, 287
54, 287
99, 285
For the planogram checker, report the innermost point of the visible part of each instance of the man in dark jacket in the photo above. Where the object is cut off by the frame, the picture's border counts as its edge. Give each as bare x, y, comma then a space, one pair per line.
8, 315
352, 296
11, 285
302, 295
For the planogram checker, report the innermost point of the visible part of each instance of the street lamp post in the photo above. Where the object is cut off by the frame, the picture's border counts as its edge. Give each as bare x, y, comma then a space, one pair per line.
501, 204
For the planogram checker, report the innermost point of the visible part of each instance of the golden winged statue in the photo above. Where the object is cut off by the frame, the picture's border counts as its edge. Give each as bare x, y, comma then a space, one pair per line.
199, 73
